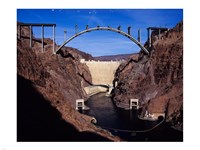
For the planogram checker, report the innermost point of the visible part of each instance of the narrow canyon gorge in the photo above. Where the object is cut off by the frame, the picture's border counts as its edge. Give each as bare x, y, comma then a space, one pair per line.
53, 82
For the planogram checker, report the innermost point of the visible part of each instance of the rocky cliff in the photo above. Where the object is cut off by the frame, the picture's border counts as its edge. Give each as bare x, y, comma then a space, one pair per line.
59, 78
156, 80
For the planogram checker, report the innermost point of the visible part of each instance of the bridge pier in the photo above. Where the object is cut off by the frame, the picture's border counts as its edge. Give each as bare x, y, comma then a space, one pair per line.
19, 35
42, 38
129, 30
139, 36
30, 25
149, 36
54, 39
65, 35
158, 33
158, 29
76, 29
30, 36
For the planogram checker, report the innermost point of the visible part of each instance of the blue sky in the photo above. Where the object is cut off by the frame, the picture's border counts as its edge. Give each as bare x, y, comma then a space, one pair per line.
100, 43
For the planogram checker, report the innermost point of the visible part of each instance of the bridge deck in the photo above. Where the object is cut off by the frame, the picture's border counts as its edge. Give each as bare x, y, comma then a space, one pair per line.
36, 24
157, 28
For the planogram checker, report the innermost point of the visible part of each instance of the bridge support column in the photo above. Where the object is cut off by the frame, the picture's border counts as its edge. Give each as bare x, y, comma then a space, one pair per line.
65, 35
53, 39
42, 38
119, 28
139, 35
19, 35
76, 29
129, 30
30, 36
149, 37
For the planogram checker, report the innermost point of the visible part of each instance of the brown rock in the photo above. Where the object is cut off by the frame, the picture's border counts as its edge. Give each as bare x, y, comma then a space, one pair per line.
58, 78
156, 80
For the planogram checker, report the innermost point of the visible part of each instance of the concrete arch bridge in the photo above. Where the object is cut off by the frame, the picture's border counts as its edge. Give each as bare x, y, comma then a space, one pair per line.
102, 72
118, 30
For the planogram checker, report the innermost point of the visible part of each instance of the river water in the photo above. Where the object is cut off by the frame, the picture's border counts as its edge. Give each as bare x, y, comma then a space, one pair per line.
125, 123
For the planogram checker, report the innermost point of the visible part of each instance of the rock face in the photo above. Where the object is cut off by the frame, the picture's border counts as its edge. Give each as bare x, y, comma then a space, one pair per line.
60, 78
63, 72
156, 80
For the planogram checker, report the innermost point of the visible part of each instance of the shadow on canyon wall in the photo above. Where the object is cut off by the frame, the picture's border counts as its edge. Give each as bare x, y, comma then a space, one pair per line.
37, 120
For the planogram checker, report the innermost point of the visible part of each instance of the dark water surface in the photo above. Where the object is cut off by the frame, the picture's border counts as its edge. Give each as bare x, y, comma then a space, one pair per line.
112, 118
37, 120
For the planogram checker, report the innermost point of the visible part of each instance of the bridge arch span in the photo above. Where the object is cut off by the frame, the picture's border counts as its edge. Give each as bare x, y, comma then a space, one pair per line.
106, 29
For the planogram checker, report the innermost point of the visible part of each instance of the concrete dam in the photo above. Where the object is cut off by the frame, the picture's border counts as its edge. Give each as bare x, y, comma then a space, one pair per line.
102, 73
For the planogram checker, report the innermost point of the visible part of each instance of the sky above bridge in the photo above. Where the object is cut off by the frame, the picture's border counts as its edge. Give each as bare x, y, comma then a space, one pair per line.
100, 43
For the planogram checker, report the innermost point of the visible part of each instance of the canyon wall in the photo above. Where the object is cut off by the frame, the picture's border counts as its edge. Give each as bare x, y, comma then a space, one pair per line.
59, 78
156, 80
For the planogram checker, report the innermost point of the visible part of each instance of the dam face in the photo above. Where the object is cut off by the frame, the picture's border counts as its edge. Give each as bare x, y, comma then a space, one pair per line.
102, 72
